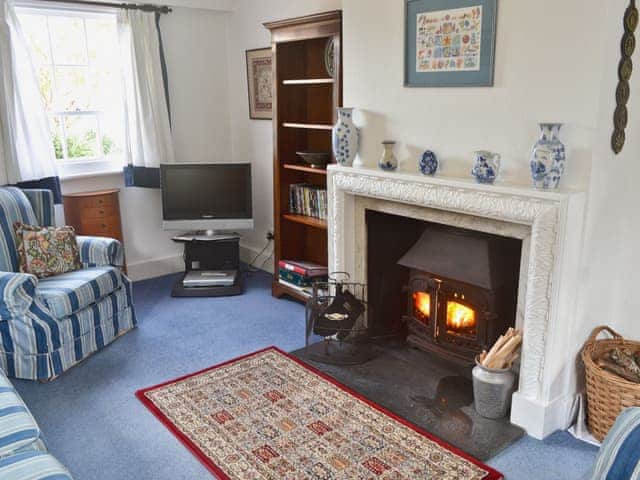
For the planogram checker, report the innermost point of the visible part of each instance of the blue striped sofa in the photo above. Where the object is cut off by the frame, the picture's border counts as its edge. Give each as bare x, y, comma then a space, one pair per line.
23, 453
619, 456
48, 325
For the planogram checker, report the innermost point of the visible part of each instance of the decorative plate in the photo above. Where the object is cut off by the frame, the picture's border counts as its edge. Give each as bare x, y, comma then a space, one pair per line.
329, 58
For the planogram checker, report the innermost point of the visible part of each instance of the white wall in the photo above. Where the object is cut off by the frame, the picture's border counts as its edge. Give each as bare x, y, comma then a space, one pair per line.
547, 68
196, 51
252, 140
611, 257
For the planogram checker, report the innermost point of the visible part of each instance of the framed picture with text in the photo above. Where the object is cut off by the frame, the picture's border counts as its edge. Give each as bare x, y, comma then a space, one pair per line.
450, 43
260, 83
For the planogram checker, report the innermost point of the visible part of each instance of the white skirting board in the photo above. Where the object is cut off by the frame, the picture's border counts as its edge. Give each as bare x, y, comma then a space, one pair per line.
156, 267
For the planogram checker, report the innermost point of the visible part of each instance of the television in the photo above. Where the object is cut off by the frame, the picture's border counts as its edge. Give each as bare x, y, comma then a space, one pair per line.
206, 196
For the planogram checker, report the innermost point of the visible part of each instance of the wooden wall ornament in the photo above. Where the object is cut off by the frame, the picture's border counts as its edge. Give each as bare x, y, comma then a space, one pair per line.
625, 69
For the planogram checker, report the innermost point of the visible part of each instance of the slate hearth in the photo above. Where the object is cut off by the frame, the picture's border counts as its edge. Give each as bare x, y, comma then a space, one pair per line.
428, 391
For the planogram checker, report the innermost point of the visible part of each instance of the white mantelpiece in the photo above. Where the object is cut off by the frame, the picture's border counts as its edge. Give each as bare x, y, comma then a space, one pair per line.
550, 224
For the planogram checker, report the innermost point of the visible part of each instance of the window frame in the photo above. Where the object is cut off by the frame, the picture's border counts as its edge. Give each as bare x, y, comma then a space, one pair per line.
83, 166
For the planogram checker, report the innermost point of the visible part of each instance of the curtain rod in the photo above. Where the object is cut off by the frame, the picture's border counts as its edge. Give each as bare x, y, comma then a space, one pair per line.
127, 6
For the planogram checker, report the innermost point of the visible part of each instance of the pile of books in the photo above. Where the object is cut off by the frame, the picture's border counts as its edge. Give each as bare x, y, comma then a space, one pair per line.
301, 275
309, 200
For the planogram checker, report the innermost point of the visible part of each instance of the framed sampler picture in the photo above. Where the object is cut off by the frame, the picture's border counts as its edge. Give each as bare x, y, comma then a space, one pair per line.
450, 43
260, 83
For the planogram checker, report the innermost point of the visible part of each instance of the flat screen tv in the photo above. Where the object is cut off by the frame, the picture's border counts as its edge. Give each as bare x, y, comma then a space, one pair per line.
206, 196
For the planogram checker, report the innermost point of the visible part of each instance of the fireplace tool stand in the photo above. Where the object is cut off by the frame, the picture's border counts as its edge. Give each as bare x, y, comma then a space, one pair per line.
336, 325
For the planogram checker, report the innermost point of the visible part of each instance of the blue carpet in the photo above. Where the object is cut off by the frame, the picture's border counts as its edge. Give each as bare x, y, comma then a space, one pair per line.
99, 430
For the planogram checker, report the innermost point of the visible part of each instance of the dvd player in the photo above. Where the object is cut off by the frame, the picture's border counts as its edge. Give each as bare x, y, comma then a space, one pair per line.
209, 278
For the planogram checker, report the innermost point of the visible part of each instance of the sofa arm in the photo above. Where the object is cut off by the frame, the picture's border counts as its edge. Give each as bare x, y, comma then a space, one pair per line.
17, 291
100, 251
618, 456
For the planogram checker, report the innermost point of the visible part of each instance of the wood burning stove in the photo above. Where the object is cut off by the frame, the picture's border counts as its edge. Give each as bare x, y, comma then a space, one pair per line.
461, 293
448, 290
448, 318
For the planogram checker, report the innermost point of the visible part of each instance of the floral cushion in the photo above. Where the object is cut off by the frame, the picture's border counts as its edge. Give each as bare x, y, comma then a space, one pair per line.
47, 251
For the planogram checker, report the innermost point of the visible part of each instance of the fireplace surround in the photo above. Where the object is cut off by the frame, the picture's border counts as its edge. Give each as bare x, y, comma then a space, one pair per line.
548, 223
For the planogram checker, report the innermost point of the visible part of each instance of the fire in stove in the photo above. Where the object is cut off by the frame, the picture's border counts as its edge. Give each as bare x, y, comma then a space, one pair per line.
422, 306
461, 319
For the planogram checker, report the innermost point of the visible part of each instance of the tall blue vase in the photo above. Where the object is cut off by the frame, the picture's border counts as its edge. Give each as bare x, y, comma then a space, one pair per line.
345, 138
549, 158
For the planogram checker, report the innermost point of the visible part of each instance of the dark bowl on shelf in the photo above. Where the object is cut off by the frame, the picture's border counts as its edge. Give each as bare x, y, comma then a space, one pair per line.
315, 159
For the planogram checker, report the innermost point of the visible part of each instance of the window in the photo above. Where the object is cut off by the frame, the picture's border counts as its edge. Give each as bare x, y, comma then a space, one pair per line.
77, 60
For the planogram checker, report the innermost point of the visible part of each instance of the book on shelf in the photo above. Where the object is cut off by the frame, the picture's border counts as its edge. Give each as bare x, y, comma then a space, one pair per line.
304, 290
298, 279
308, 200
308, 269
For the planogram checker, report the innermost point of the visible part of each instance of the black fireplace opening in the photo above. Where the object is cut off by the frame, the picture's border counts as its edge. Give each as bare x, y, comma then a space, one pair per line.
446, 290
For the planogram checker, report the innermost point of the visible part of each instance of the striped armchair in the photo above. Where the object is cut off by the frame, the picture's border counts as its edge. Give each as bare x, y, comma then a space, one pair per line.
48, 325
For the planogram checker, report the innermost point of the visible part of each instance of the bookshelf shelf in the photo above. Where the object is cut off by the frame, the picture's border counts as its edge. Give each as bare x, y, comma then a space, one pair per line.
306, 96
304, 168
310, 81
308, 126
280, 289
305, 220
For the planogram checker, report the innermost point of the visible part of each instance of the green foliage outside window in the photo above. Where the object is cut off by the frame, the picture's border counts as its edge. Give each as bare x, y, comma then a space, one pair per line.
82, 146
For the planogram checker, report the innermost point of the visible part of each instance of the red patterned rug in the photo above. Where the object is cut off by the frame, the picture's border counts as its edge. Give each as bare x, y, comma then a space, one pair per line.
269, 416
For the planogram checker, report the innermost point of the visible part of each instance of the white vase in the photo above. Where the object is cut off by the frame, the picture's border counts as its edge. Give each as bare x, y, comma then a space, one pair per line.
388, 160
345, 137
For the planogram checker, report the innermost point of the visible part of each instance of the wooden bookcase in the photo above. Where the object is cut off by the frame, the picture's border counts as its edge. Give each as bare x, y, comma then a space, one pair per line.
304, 111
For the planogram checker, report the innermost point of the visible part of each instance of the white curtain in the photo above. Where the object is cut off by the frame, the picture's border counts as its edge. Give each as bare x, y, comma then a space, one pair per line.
26, 148
148, 129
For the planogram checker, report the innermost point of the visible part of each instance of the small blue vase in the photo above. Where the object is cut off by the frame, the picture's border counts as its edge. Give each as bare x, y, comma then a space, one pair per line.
549, 158
428, 163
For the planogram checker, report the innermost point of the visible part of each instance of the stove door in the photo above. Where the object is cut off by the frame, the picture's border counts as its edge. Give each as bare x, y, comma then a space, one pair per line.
421, 308
462, 318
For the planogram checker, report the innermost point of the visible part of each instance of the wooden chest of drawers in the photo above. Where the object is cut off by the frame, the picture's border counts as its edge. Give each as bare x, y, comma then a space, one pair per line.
94, 213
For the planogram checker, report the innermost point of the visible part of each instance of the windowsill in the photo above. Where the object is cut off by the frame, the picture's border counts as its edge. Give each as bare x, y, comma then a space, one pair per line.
80, 176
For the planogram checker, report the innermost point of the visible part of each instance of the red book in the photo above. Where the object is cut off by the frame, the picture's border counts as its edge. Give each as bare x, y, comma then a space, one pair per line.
308, 269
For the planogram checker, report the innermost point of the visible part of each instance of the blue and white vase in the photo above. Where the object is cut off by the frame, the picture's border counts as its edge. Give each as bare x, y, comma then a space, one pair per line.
428, 163
486, 166
388, 160
549, 158
345, 138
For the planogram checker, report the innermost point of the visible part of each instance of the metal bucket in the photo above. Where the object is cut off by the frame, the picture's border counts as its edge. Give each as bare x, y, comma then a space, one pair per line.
492, 390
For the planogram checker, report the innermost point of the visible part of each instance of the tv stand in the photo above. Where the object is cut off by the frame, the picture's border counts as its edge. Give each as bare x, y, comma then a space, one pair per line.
205, 236
218, 252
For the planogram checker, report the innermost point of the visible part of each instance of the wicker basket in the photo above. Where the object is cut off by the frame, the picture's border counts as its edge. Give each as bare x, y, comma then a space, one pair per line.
607, 393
